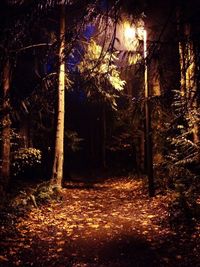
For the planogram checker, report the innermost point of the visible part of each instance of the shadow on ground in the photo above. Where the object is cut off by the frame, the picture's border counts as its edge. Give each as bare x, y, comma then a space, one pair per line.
125, 251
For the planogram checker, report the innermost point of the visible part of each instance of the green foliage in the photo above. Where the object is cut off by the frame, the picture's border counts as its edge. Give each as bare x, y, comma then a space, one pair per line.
25, 159
184, 150
99, 68
100, 64
182, 156
35, 195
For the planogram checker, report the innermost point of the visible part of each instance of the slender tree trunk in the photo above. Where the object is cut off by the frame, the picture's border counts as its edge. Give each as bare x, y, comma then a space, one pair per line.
182, 67
191, 82
148, 128
103, 135
5, 149
181, 46
57, 174
25, 133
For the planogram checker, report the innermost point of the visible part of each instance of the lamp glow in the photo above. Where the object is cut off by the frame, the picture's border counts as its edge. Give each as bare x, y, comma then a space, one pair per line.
129, 32
129, 35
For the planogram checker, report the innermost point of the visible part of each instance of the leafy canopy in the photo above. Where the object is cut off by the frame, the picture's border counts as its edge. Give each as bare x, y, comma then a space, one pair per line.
101, 65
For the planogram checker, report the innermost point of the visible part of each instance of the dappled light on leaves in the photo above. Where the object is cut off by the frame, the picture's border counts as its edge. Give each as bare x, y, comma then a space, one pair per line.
101, 65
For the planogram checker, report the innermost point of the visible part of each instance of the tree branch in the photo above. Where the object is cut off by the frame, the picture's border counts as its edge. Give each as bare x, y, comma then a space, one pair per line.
33, 46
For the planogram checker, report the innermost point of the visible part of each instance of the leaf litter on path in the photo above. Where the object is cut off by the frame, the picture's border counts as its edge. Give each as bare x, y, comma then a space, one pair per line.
114, 225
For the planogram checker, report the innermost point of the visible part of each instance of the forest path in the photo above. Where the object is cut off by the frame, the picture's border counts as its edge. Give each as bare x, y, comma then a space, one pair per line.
112, 223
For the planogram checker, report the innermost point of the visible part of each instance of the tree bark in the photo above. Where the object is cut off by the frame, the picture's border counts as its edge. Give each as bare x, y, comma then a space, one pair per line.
5, 143
103, 134
57, 174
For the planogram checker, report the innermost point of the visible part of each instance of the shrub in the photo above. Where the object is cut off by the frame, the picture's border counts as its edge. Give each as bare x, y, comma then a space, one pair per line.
26, 161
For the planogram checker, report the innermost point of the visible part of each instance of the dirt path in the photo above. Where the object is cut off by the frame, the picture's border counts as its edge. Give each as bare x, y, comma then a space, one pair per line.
102, 224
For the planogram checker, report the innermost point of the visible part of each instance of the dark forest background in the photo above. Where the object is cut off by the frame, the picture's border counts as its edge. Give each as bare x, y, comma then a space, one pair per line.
104, 125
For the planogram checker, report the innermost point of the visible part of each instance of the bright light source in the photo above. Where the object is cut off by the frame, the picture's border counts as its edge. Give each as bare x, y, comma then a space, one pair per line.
129, 32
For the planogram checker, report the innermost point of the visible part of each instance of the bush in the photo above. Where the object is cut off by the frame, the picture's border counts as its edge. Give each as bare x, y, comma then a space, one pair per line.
26, 162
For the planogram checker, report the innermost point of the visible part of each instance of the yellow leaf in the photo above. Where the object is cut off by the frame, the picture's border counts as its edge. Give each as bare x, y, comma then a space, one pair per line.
62, 242
95, 226
27, 246
151, 216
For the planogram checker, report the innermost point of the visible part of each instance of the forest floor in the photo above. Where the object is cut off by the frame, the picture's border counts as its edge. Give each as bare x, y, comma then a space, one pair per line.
99, 224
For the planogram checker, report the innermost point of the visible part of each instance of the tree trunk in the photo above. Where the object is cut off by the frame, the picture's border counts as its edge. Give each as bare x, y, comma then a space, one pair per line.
5, 149
103, 134
57, 174
148, 128
25, 133
181, 44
